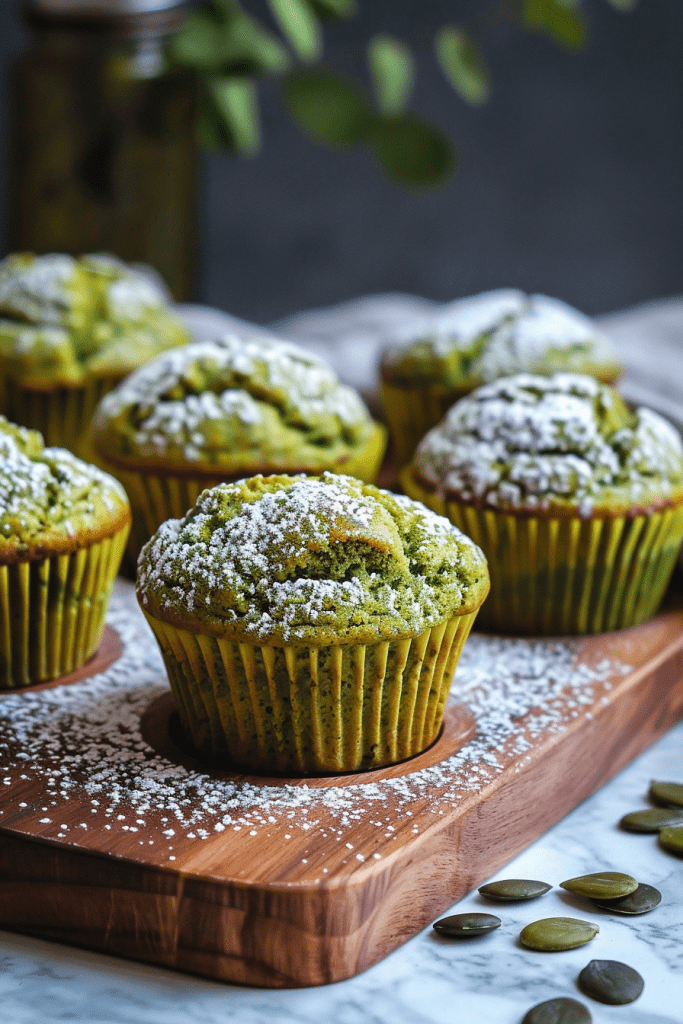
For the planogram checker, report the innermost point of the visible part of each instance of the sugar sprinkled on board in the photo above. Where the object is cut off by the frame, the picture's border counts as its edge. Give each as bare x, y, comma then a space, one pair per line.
515, 688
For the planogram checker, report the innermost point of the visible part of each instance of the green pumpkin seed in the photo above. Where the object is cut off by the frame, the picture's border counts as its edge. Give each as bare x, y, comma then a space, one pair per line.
640, 901
555, 933
653, 819
509, 889
601, 885
463, 926
667, 794
610, 982
672, 839
558, 1011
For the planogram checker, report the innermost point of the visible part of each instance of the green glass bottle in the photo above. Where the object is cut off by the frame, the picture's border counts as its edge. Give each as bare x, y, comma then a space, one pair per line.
104, 155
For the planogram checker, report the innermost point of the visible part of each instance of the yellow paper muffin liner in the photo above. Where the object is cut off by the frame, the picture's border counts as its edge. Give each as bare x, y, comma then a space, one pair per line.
52, 611
156, 497
304, 708
63, 415
567, 575
412, 411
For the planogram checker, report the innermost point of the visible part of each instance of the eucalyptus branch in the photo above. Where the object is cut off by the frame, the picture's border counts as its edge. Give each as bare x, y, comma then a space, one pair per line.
231, 50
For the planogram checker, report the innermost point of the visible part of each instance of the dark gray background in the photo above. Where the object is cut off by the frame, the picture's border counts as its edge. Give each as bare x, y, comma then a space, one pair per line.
571, 179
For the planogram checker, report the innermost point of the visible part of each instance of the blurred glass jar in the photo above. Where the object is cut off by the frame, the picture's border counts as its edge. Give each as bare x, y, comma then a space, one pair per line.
104, 154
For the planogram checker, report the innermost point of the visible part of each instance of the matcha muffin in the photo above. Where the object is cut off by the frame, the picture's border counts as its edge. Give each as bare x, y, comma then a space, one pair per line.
220, 410
63, 529
475, 341
310, 624
576, 500
69, 330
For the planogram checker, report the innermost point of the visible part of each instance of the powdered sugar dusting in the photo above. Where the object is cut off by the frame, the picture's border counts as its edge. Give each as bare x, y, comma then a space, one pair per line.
39, 291
40, 488
184, 395
531, 442
254, 555
132, 297
83, 743
504, 332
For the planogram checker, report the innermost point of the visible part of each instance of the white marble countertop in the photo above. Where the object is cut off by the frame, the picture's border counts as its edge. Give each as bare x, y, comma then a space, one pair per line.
491, 980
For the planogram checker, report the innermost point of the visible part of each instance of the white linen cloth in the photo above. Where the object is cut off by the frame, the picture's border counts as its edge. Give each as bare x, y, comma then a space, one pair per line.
350, 337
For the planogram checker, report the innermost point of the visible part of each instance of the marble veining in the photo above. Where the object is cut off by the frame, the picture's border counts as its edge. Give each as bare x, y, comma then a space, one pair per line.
429, 980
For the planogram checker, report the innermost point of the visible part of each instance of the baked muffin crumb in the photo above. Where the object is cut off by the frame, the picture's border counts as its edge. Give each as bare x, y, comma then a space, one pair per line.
314, 559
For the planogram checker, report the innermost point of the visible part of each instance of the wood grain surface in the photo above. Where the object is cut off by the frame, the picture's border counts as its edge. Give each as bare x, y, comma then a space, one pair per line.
291, 907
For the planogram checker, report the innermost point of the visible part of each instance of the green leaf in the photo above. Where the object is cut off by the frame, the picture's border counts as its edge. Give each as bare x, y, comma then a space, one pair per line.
334, 8
556, 19
211, 128
252, 46
330, 109
463, 64
413, 152
240, 44
236, 102
226, 9
300, 25
199, 42
392, 70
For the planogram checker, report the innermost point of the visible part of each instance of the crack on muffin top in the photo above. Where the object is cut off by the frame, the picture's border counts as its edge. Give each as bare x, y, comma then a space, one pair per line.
49, 492
566, 441
211, 400
497, 334
317, 559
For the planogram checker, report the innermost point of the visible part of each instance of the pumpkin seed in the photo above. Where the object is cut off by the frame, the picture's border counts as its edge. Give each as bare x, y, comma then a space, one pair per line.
672, 839
653, 819
601, 885
640, 901
555, 933
462, 926
667, 793
509, 889
610, 982
558, 1011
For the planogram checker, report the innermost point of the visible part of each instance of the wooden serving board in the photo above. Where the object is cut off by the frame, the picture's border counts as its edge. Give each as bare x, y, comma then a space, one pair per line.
113, 837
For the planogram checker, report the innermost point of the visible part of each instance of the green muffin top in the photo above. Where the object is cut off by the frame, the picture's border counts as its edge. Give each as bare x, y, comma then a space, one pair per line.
233, 405
496, 334
64, 320
563, 444
50, 501
312, 559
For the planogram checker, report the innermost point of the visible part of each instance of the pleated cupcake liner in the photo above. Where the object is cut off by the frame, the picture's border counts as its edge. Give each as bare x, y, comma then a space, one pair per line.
412, 411
308, 709
52, 611
567, 575
63, 415
156, 497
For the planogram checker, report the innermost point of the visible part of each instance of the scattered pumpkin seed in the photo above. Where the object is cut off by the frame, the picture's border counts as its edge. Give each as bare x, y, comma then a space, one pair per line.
555, 933
667, 793
672, 839
640, 901
653, 819
601, 885
610, 982
463, 926
509, 889
562, 1010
